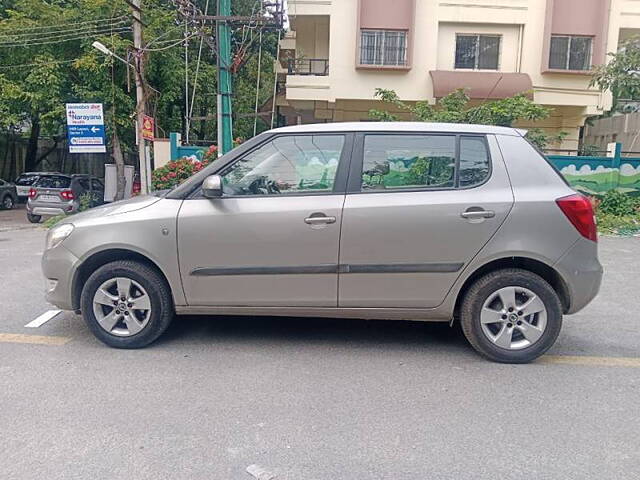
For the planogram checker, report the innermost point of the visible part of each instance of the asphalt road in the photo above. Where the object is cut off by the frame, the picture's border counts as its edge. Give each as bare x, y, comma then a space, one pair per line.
314, 399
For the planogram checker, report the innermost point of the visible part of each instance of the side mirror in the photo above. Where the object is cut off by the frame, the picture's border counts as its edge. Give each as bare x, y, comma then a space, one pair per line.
212, 186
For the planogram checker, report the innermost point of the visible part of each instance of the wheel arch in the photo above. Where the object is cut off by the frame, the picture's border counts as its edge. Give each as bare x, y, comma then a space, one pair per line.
548, 273
102, 257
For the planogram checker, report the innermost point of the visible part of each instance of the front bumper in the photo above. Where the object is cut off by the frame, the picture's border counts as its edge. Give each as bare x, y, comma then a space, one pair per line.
59, 266
582, 272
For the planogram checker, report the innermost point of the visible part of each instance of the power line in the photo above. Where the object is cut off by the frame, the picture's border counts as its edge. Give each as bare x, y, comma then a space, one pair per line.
64, 25
42, 64
61, 40
46, 37
57, 31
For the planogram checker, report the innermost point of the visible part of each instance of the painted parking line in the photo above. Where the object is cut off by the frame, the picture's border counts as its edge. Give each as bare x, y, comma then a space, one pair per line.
42, 319
632, 362
33, 339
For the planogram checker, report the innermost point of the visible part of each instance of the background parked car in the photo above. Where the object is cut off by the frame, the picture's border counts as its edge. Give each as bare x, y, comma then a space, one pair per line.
8, 195
56, 194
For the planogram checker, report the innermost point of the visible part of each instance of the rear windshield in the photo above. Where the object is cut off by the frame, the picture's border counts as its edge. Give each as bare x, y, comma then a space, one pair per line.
53, 181
26, 180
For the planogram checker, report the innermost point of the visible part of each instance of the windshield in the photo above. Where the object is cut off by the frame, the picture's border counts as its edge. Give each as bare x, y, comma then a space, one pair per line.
53, 181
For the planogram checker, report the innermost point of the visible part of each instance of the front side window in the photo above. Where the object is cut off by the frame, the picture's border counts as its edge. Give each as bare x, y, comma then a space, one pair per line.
570, 53
408, 161
286, 165
383, 47
477, 52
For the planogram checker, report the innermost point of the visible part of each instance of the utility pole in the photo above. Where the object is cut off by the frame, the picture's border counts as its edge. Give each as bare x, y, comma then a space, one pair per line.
136, 7
223, 40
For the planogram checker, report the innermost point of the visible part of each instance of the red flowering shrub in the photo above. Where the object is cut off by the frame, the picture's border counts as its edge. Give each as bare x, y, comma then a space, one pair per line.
176, 172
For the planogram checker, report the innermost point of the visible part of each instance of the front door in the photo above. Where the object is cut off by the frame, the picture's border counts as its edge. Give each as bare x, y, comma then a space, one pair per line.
272, 239
422, 207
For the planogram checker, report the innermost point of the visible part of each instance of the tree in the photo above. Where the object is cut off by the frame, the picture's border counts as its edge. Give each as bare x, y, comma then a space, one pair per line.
455, 108
621, 74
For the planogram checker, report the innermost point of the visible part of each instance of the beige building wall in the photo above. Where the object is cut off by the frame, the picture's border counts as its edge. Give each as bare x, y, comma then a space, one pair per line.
330, 29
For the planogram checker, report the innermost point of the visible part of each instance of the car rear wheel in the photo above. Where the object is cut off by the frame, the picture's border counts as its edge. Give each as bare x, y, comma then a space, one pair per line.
127, 304
7, 202
34, 218
511, 316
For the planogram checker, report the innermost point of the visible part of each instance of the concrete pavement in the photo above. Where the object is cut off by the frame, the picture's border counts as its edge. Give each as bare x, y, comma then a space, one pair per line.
316, 398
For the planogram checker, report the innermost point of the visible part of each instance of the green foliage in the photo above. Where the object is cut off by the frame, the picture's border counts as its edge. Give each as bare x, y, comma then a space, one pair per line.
589, 150
176, 172
455, 108
618, 204
47, 75
620, 74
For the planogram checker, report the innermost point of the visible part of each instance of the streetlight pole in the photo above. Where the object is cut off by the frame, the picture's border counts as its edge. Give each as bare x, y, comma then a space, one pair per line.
223, 41
136, 7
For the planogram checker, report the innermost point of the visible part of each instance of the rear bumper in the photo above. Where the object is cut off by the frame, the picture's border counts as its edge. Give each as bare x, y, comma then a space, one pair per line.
582, 272
42, 208
58, 267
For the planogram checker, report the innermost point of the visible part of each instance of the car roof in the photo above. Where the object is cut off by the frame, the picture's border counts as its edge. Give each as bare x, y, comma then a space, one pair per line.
398, 127
39, 173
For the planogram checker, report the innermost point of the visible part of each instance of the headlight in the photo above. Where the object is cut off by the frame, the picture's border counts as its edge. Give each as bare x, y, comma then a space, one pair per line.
58, 234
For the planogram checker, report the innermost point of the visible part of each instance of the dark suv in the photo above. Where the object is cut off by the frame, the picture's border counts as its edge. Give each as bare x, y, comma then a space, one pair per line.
56, 194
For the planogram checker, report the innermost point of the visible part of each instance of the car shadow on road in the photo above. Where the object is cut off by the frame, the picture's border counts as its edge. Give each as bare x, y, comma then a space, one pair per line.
290, 330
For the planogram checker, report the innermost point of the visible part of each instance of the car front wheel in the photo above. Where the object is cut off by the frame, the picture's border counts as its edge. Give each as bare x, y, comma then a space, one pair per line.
7, 203
127, 304
511, 316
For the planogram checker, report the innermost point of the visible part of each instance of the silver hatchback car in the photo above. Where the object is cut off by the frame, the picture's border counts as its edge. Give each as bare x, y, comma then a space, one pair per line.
402, 221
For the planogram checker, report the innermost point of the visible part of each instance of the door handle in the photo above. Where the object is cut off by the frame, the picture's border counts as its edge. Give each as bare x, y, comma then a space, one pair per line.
319, 219
478, 214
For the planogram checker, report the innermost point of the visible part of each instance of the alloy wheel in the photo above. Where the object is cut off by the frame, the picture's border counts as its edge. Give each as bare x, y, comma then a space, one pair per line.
513, 318
122, 306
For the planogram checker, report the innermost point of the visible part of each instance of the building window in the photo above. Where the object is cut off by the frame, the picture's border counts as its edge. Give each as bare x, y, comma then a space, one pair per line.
477, 52
570, 53
383, 47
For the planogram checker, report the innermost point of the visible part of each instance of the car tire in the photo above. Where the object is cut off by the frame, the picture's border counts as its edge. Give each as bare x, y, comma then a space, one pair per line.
142, 279
525, 328
34, 218
7, 202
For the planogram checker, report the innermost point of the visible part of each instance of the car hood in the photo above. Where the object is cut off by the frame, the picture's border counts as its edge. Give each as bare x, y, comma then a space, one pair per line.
115, 208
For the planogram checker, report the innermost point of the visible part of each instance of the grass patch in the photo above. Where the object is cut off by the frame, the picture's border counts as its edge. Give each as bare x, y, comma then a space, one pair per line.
623, 225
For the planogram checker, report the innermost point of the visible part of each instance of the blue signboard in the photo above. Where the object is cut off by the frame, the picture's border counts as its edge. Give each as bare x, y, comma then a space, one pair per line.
85, 128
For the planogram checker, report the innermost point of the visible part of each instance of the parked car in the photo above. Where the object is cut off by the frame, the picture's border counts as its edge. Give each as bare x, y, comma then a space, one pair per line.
403, 221
25, 181
56, 193
8, 195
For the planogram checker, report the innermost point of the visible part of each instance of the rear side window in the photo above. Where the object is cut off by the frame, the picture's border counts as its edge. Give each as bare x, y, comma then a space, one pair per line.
393, 162
26, 180
474, 161
95, 184
53, 181
84, 183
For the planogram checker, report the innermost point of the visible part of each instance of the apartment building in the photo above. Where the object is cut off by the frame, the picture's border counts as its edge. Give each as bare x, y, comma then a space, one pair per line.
337, 52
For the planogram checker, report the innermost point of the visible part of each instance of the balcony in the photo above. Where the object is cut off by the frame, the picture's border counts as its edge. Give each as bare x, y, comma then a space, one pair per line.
308, 7
308, 66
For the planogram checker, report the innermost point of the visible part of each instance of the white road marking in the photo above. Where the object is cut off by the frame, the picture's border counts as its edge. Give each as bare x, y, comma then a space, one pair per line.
42, 319
260, 473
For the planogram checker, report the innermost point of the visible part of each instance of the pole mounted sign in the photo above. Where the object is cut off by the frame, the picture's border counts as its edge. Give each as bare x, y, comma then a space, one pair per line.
148, 128
85, 128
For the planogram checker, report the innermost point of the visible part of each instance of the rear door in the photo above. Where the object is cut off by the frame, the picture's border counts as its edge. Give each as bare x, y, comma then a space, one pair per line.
418, 209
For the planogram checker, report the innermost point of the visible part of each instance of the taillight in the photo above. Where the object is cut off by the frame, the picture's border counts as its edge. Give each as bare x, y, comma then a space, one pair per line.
67, 194
32, 193
579, 211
